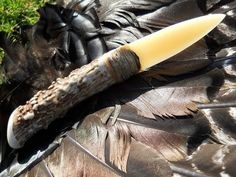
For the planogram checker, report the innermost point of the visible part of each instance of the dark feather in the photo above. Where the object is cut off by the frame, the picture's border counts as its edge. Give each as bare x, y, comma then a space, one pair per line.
209, 160
176, 118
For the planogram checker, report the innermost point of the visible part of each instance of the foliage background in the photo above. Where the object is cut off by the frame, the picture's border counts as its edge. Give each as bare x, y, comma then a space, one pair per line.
15, 13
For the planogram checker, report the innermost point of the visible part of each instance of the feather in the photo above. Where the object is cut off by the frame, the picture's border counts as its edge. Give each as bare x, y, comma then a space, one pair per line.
218, 161
178, 118
171, 14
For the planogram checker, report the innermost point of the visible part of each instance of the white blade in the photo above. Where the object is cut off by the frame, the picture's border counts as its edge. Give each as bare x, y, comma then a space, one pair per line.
166, 43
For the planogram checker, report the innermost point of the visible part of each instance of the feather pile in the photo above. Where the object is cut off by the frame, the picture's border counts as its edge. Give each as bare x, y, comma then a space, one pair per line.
176, 119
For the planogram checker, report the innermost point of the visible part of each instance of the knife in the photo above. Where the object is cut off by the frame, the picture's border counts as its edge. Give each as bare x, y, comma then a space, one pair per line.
113, 67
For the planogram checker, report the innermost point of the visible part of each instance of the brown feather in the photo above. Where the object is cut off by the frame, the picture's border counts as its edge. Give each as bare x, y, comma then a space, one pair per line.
167, 120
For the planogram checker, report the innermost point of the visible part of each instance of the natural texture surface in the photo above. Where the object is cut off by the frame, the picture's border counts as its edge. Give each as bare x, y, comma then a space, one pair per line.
15, 14
55, 101
178, 118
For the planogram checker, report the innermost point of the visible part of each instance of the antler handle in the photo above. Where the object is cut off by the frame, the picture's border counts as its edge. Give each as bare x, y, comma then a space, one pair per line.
62, 94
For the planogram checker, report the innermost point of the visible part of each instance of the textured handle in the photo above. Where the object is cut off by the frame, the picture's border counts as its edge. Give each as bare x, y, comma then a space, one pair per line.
61, 95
